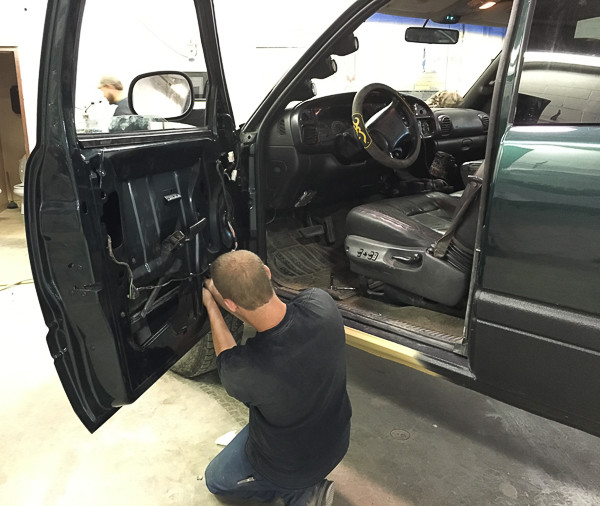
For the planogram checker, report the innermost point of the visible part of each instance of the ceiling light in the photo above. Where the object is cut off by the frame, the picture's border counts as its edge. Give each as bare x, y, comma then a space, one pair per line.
487, 5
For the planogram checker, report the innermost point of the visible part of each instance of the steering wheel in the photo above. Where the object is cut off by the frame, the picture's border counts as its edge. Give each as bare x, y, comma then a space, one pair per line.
392, 135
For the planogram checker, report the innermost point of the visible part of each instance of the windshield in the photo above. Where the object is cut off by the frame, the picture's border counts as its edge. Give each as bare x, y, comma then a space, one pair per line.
261, 40
274, 40
415, 68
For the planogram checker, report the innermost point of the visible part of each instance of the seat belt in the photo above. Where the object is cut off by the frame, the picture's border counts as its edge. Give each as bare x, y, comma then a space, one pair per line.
440, 248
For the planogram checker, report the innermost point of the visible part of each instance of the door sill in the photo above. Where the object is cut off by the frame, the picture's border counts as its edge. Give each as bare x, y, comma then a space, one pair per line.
426, 350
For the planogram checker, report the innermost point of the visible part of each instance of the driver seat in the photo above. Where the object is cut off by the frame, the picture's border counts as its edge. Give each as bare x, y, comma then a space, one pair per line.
418, 244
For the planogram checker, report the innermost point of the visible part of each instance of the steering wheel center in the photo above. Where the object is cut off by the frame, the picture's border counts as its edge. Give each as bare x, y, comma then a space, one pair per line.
392, 135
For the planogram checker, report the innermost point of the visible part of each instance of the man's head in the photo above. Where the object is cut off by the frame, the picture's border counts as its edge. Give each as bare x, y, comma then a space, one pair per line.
112, 89
241, 277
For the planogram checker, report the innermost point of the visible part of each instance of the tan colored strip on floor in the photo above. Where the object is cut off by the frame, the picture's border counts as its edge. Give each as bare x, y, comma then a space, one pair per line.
386, 349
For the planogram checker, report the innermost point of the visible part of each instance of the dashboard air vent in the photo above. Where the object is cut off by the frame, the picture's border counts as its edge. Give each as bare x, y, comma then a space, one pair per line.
281, 126
485, 121
445, 125
310, 135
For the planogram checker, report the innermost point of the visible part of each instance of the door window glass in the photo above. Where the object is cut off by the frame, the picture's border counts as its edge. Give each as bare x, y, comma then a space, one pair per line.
121, 40
560, 82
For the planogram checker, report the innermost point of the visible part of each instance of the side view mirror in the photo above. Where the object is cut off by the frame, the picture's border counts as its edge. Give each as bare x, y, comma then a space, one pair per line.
431, 35
164, 94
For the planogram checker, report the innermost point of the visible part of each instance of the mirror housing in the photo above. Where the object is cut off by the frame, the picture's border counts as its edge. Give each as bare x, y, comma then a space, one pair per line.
431, 35
165, 94
345, 46
304, 90
324, 68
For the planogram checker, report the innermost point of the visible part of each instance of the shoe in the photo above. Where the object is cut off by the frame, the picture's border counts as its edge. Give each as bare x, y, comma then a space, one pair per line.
322, 495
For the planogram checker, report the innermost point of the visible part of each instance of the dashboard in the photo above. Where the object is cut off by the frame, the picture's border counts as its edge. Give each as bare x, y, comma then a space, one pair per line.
321, 120
312, 154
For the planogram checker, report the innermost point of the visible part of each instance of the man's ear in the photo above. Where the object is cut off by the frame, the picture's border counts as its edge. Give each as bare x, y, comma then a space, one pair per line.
230, 305
268, 271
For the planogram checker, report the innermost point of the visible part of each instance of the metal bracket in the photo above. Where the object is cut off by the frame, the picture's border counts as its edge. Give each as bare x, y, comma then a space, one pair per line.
172, 197
177, 238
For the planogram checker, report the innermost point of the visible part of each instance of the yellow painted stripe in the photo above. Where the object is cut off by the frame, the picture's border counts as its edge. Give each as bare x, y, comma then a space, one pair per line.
386, 349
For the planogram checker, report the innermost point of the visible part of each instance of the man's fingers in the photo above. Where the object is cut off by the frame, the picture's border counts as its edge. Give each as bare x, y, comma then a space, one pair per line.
216, 297
210, 286
207, 297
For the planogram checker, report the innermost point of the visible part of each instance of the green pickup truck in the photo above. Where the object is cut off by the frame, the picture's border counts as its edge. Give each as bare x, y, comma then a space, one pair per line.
434, 166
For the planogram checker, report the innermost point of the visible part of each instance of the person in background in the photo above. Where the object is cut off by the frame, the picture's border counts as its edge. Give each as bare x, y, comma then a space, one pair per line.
112, 89
291, 375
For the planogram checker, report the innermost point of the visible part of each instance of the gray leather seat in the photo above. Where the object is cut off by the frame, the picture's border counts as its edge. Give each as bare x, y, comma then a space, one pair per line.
415, 220
393, 241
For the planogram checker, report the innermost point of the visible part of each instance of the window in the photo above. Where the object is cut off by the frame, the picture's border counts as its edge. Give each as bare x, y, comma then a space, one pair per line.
121, 40
560, 82
417, 69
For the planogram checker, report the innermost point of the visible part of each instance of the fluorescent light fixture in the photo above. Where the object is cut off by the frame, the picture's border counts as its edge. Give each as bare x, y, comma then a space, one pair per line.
543, 129
571, 59
487, 5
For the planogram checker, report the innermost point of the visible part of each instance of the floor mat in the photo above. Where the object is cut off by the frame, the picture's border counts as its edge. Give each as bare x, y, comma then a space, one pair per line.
297, 263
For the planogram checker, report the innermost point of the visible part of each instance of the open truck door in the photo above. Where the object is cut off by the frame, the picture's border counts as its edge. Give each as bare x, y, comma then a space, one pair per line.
125, 212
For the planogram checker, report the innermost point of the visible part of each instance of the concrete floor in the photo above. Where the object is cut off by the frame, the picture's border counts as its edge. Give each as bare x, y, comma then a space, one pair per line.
416, 440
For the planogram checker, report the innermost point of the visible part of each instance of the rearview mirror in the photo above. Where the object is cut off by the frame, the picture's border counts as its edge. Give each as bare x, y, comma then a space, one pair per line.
167, 95
431, 35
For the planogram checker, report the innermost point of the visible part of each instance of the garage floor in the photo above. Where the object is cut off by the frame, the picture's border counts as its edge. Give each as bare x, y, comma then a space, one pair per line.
416, 440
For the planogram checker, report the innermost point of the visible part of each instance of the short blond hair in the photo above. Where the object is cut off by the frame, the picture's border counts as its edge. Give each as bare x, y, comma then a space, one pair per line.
110, 81
241, 277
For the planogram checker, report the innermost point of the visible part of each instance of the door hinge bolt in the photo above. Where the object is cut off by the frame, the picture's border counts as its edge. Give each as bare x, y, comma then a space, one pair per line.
59, 354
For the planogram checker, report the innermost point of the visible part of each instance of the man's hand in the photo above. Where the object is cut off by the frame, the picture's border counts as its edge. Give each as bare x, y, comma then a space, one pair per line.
213, 293
207, 297
222, 338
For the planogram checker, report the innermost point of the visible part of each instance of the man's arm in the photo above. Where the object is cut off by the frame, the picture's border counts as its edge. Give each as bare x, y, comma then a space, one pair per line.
222, 338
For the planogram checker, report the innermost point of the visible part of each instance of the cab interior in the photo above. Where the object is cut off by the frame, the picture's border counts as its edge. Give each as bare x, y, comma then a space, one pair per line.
369, 228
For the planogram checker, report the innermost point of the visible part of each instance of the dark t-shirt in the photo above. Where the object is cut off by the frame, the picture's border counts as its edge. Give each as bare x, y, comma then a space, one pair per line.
122, 108
293, 378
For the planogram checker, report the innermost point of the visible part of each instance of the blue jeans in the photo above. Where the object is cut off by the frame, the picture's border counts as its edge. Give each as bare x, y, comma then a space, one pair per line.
230, 474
